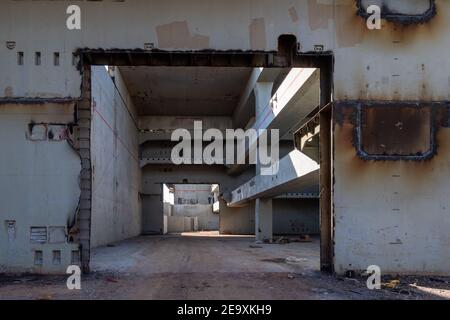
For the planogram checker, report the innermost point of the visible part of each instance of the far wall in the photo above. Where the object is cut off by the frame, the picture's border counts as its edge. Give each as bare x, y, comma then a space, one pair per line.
290, 216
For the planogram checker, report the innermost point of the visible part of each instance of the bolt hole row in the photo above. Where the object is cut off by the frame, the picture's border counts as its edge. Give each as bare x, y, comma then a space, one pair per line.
38, 58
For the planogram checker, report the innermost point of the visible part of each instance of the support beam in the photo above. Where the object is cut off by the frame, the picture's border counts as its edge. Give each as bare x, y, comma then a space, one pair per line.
296, 97
244, 109
239, 117
263, 219
296, 171
326, 253
298, 195
263, 94
159, 128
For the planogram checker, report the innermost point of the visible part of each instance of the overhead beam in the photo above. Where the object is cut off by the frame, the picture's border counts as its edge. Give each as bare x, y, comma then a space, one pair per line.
244, 109
296, 171
159, 128
296, 98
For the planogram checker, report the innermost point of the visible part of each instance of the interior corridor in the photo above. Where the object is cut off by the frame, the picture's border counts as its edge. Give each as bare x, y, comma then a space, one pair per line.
204, 252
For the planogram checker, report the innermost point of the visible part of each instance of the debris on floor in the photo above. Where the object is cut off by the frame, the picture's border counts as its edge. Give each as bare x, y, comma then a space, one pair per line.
282, 240
275, 260
290, 239
140, 269
392, 284
294, 260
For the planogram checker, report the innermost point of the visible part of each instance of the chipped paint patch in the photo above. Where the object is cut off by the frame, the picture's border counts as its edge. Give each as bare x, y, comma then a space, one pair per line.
257, 31
8, 92
177, 35
293, 14
319, 14
349, 27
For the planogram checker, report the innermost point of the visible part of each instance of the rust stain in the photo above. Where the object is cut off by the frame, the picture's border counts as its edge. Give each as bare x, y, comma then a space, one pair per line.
257, 30
319, 14
396, 130
293, 14
412, 173
177, 35
350, 28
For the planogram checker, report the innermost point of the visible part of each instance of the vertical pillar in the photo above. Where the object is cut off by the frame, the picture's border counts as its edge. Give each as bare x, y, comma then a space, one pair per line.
263, 206
326, 253
326, 168
263, 219
263, 94
84, 148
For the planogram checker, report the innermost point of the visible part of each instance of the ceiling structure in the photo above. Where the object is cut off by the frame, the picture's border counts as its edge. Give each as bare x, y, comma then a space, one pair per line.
185, 91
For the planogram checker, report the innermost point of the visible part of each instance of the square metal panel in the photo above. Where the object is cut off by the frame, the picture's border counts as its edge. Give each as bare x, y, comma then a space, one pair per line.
401, 11
395, 131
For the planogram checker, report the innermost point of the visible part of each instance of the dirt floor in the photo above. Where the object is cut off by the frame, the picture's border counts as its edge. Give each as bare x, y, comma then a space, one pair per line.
205, 265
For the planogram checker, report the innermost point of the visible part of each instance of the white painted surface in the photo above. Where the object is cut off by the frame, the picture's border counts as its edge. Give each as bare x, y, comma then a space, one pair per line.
207, 219
193, 194
38, 187
392, 214
295, 171
116, 205
395, 63
386, 64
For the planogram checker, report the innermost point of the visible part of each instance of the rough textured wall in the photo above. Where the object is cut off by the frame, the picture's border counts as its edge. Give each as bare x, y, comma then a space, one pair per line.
192, 194
153, 214
290, 216
207, 220
153, 176
392, 63
394, 214
38, 188
237, 220
395, 63
116, 205
295, 216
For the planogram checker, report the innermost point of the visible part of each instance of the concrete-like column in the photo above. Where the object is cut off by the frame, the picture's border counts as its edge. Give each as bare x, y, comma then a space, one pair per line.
263, 219
263, 94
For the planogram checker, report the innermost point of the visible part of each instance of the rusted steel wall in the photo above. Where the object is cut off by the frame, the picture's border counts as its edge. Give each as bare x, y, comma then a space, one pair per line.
391, 213
398, 62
